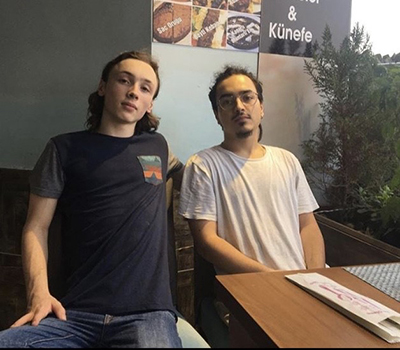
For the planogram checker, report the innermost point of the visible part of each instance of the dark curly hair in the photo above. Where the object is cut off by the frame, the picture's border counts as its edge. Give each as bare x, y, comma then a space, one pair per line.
149, 122
227, 72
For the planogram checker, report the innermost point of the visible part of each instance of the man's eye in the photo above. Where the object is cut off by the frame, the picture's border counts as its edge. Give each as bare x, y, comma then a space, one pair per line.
227, 101
146, 89
247, 98
124, 81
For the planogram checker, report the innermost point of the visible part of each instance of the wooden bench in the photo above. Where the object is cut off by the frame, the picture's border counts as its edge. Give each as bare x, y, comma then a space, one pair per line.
345, 246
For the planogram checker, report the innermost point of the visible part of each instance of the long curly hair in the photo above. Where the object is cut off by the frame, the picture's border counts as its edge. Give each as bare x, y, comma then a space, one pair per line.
227, 72
149, 122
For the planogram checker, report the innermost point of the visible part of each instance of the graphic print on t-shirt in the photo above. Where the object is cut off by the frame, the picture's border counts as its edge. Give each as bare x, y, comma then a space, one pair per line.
151, 169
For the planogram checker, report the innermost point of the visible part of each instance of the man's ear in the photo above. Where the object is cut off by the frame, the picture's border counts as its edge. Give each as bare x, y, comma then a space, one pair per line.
150, 107
101, 90
216, 117
262, 111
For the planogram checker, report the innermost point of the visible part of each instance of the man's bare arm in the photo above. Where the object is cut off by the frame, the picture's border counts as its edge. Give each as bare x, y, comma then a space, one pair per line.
313, 241
219, 252
34, 259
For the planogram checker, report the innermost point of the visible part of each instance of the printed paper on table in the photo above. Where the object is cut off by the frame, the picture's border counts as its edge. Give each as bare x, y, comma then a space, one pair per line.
374, 316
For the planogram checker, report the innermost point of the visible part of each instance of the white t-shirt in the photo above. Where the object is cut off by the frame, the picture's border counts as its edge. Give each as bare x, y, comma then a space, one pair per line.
255, 202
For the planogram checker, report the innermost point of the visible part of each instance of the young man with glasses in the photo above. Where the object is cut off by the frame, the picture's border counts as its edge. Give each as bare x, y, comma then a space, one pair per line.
249, 206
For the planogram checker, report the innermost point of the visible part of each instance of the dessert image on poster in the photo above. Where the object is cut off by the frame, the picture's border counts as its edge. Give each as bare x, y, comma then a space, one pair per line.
209, 27
215, 4
171, 22
243, 32
246, 6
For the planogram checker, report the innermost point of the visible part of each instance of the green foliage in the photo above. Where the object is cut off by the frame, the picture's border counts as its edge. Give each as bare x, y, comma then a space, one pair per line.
353, 157
342, 154
379, 212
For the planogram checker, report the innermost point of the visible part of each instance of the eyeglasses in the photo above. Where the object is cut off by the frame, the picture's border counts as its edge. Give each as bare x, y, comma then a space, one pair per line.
248, 98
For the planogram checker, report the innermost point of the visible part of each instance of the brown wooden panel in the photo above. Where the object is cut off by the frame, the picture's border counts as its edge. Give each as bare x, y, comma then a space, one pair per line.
12, 299
185, 295
185, 263
345, 246
14, 195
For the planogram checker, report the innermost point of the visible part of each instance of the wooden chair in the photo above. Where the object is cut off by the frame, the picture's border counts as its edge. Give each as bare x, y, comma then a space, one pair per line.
207, 321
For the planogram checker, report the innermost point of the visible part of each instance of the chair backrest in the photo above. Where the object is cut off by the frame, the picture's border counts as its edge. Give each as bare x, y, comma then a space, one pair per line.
56, 273
204, 280
346, 246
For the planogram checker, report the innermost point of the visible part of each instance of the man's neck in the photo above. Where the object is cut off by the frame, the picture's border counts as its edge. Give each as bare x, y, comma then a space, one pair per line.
116, 130
246, 148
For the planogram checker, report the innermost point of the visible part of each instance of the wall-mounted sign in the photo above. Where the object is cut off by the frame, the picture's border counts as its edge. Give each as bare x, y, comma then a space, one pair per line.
291, 27
217, 24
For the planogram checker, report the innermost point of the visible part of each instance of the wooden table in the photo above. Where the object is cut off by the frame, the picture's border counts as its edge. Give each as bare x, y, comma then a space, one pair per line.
267, 310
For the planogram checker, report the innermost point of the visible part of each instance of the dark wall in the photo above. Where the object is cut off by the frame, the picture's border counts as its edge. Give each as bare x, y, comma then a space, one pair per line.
52, 53
51, 56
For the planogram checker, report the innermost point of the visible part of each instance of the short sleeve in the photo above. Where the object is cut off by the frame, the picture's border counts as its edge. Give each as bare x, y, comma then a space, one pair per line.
47, 178
197, 196
306, 200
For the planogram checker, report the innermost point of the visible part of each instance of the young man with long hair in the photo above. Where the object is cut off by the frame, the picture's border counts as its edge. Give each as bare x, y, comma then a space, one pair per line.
108, 182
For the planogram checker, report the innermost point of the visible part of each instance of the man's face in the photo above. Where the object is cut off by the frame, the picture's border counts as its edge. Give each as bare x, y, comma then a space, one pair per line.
128, 93
242, 117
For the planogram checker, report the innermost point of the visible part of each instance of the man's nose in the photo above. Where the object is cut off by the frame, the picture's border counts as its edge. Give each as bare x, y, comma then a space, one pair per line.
132, 92
239, 103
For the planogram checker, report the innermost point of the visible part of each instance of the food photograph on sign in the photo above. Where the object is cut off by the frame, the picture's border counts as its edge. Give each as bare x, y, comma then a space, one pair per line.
246, 6
172, 22
243, 32
209, 27
215, 4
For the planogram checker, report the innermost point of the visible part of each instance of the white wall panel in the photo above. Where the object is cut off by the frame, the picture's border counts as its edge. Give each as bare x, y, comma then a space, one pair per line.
291, 104
187, 72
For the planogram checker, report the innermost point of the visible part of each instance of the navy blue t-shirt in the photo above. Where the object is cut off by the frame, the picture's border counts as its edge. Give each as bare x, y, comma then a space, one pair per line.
111, 193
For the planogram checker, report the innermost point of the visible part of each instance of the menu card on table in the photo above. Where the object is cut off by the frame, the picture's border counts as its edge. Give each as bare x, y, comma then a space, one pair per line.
374, 316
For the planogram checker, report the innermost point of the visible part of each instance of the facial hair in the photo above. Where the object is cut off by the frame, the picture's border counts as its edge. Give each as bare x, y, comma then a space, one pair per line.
244, 134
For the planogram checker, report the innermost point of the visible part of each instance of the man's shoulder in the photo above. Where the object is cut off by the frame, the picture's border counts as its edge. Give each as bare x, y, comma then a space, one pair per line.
70, 136
284, 158
153, 135
280, 152
207, 151
205, 154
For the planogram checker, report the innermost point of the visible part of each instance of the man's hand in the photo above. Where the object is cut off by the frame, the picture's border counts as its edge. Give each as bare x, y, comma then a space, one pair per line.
40, 309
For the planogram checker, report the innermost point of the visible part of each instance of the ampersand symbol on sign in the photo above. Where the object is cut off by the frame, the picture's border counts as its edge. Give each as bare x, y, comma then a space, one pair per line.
292, 14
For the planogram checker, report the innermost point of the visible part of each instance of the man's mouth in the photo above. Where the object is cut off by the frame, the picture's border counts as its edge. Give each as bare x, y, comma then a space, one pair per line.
241, 118
129, 105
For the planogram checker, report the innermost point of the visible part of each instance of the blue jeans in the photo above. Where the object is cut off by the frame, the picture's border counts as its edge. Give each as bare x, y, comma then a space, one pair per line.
156, 329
